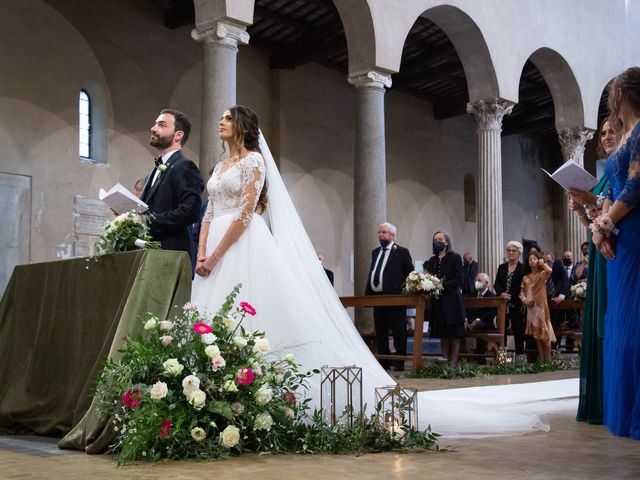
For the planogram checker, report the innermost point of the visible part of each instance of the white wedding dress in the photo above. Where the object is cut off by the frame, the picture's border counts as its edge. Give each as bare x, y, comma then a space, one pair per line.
296, 305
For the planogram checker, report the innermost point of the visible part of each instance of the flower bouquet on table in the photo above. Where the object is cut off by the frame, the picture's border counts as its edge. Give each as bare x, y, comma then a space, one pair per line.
127, 231
418, 283
579, 290
201, 386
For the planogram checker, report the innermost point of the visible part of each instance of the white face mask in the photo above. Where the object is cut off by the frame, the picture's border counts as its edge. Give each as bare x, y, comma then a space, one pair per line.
479, 285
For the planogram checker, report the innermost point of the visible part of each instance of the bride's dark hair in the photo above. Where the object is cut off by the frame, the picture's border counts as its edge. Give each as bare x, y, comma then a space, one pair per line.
246, 131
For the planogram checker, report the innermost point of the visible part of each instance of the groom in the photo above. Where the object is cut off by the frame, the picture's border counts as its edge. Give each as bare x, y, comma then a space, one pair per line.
173, 188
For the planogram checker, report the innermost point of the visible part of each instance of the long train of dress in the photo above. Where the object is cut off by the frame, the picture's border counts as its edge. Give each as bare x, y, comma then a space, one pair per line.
299, 310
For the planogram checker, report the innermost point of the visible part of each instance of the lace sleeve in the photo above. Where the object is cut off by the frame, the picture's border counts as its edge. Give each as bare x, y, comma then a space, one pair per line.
252, 177
630, 193
208, 215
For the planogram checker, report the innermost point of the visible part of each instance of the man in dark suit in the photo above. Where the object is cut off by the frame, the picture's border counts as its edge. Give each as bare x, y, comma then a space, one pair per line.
173, 189
470, 270
326, 270
481, 318
390, 266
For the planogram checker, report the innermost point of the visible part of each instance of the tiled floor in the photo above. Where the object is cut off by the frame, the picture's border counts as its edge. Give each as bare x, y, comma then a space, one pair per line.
570, 450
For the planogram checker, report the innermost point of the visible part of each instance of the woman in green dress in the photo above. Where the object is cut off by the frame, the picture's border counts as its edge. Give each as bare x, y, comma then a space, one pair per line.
587, 206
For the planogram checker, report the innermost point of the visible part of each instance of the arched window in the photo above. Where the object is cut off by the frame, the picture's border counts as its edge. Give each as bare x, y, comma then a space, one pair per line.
469, 198
84, 112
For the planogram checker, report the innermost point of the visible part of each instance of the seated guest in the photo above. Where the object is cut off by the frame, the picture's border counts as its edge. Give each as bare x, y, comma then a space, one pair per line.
469, 269
580, 270
481, 318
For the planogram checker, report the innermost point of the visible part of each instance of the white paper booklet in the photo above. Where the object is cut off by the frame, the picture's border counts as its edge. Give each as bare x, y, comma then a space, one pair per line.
122, 200
571, 175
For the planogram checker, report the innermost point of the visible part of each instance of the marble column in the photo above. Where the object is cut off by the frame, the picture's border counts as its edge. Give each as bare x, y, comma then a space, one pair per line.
370, 177
572, 143
220, 40
489, 114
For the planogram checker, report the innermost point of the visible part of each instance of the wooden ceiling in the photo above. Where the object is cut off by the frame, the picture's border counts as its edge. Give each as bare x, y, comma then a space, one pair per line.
296, 32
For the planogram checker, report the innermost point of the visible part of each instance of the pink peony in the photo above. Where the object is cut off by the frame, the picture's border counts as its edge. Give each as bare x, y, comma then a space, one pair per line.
217, 363
165, 428
247, 308
245, 377
132, 398
289, 398
201, 328
166, 339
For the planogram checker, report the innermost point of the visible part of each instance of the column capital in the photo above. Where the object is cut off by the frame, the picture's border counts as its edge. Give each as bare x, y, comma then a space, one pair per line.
221, 32
372, 79
489, 112
573, 141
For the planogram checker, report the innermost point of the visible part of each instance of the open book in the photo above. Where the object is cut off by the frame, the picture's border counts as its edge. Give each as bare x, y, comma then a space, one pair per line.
571, 175
122, 200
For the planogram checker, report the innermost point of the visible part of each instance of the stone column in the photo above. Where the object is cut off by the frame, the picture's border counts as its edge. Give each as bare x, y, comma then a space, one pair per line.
220, 39
370, 177
489, 114
572, 142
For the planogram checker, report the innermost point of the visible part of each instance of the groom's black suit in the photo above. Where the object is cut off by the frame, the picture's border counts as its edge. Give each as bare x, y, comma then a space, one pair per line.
399, 265
174, 202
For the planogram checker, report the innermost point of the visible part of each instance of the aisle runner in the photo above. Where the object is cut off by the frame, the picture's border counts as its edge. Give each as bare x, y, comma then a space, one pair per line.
496, 410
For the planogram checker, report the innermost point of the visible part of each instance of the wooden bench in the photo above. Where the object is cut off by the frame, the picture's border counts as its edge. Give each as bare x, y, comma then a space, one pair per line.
568, 304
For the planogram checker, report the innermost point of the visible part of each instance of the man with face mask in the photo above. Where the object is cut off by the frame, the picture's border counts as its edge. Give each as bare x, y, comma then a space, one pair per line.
481, 318
390, 266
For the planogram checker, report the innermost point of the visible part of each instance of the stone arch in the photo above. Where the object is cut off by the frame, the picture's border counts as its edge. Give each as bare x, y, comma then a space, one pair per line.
564, 88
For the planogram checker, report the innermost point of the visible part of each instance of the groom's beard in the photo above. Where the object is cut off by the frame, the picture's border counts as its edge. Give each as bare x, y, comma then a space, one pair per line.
161, 142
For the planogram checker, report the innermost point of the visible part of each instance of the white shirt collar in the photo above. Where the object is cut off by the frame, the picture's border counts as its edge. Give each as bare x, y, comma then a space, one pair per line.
167, 155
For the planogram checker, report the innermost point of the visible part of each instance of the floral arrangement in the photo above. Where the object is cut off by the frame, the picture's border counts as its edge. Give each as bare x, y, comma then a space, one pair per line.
579, 290
602, 227
418, 283
127, 231
201, 386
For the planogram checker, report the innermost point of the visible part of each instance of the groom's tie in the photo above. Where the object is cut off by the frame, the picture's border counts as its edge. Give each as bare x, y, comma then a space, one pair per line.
377, 273
157, 161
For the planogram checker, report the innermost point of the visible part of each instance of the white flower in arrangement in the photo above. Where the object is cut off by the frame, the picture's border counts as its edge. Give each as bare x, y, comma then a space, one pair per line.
264, 421
230, 436
237, 408
166, 340
190, 384
264, 395
278, 379
230, 386
290, 358
261, 345
240, 342
256, 368
190, 307
217, 363
208, 338
197, 398
166, 325
159, 390
229, 321
198, 434
172, 367
427, 285
289, 413
150, 324
212, 351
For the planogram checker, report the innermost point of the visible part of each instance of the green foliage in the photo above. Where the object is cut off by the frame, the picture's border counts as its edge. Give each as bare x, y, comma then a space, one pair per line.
122, 232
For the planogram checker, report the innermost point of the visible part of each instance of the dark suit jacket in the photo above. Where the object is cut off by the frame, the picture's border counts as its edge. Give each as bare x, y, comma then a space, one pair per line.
486, 315
174, 202
559, 278
398, 267
449, 304
329, 275
500, 284
469, 277
573, 279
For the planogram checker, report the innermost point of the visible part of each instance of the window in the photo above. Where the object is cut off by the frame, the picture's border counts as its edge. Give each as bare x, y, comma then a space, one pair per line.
469, 198
84, 111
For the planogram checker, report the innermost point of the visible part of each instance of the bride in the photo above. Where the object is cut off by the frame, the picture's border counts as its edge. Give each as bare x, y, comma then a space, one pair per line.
277, 265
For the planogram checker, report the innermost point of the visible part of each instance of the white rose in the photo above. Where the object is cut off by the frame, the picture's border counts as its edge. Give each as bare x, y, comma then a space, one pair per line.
208, 338
230, 436
190, 383
166, 339
198, 434
261, 346
230, 386
212, 351
173, 367
278, 379
150, 324
428, 285
217, 363
166, 325
263, 421
240, 342
197, 398
288, 412
159, 390
229, 321
264, 395
290, 358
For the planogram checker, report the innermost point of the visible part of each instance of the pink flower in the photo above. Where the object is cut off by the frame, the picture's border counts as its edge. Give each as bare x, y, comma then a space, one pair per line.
165, 428
245, 377
166, 339
247, 308
132, 398
189, 307
217, 363
289, 398
201, 328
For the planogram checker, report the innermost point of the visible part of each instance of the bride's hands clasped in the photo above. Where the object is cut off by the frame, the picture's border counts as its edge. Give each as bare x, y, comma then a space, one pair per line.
206, 264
